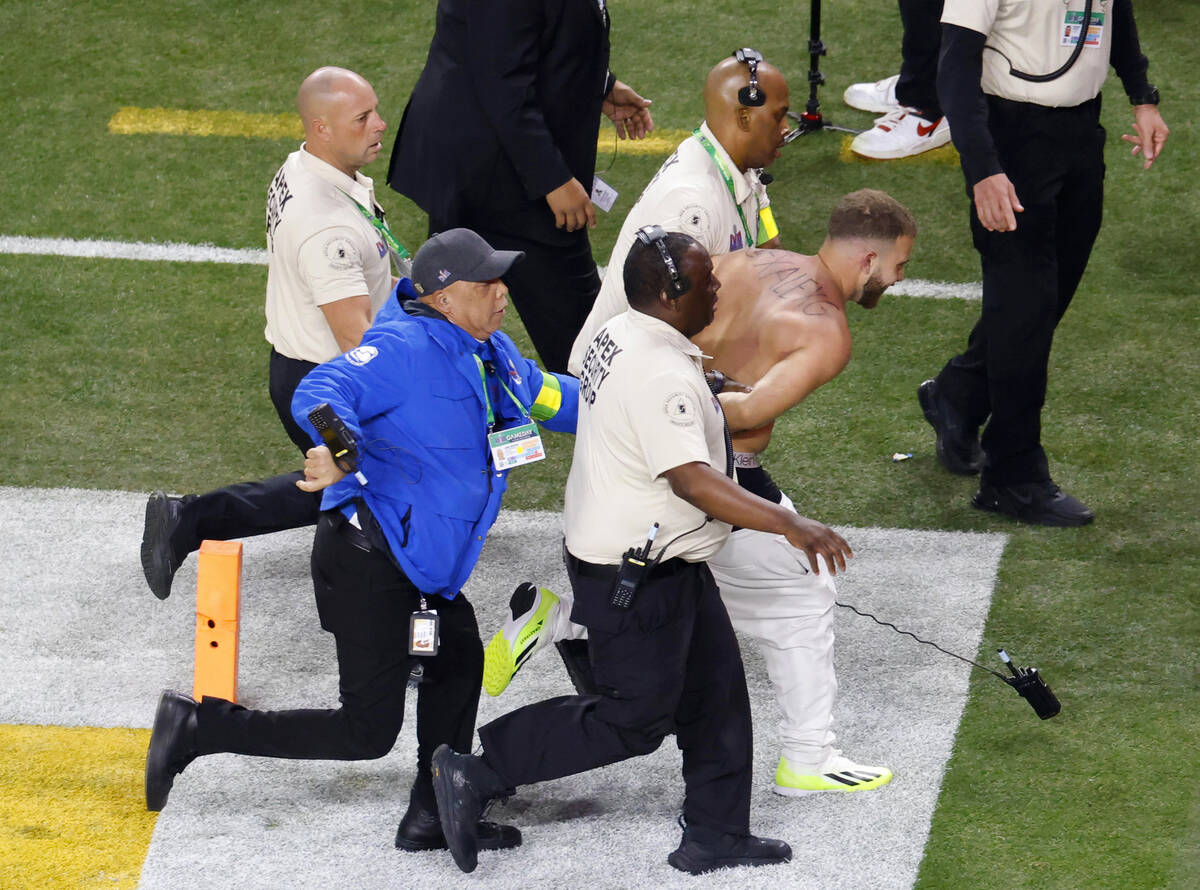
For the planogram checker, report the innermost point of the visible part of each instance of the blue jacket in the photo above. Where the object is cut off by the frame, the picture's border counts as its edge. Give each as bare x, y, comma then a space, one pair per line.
412, 395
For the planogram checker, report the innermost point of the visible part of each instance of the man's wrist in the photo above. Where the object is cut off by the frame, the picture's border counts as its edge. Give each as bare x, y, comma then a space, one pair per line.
715, 381
1148, 95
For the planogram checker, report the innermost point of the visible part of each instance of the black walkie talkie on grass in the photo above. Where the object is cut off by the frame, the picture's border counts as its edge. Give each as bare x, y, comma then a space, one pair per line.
338, 439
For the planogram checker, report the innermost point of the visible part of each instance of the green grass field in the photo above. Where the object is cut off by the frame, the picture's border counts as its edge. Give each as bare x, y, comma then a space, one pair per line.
138, 375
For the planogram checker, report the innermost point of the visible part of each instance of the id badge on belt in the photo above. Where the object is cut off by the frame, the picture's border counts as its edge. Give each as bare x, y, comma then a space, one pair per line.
516, 446
423, 631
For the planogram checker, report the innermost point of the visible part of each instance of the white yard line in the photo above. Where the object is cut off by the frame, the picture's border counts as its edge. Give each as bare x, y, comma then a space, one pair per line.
167, 252
208, 253
86, 644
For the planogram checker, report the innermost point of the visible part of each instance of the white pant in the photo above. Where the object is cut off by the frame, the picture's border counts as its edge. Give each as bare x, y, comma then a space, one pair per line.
773, 596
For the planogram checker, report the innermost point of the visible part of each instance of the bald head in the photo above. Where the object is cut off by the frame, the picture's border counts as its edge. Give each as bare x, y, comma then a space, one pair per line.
324, 89
727, 77
341, 122
751, 135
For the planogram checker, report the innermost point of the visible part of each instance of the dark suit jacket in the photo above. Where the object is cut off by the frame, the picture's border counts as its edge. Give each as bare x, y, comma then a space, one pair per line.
506, 110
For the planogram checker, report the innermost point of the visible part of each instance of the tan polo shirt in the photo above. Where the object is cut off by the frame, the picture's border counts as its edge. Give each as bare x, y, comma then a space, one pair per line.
320, 249
688, 195
1037, 37
644, 408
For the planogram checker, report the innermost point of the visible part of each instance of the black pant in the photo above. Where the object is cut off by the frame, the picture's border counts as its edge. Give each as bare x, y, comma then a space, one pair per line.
670, 664
917, 86
262, 506
1055, 159
553, 288
365, 601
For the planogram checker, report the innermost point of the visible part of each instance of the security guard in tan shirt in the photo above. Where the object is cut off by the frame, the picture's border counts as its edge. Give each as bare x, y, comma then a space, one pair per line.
1020, 83
650, 448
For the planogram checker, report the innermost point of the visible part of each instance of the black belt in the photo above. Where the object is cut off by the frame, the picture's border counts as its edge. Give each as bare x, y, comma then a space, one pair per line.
607, 573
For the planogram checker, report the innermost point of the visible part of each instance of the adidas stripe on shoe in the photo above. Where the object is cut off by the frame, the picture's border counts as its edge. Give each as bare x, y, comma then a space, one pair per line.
838, 773
530, 609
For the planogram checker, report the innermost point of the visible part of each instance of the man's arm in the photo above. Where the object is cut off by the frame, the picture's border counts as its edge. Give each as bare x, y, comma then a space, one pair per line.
1132, 66
348, 319
960, 69
722, 498
789, 381
628, 111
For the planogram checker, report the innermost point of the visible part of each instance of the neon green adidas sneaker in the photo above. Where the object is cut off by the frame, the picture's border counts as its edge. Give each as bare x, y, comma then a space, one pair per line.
838, 773
530, 608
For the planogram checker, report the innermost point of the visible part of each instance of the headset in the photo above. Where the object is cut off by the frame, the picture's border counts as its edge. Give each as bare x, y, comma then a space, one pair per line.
751, 95
657, 236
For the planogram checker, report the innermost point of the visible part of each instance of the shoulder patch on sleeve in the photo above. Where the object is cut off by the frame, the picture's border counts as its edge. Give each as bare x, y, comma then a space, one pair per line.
696, 220
360, 355
340, 253
680, 409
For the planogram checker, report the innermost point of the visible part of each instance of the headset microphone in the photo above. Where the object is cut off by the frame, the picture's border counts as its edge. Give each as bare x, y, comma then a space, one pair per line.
657, 236
751, 95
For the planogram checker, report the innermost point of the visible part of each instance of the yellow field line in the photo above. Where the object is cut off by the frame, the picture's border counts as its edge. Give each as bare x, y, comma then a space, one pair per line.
74, 811
945, 156
181, 122
130, 121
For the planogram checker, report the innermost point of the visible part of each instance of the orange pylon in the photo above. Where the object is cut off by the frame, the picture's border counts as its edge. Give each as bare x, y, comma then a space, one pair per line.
218, 610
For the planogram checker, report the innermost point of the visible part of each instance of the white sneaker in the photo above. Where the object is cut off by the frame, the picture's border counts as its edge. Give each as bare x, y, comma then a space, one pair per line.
837, 773
879, 97
901, 134
531, 611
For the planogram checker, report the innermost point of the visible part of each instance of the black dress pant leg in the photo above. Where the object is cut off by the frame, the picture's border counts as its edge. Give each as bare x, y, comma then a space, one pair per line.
917, 86
668, 664
284, 376
451, 681
1054, 158
365, 602
258, 507
713, 728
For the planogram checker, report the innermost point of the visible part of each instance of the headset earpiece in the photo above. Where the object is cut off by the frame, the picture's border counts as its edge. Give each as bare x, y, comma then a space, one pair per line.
657, 236
750, 95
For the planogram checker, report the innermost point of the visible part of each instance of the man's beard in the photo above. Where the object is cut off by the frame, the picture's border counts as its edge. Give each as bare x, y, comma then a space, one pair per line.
872, 292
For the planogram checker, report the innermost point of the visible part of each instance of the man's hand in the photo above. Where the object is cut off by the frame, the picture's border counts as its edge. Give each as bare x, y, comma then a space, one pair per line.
817, 539
572, 207
1151, 135
996, 203
628, 111
319, 470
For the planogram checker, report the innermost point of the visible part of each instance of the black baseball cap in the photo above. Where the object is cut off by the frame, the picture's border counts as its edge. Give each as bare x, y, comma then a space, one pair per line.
458, 255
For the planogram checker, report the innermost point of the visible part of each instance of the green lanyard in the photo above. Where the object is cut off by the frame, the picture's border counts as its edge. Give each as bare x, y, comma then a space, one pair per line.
491, 416
381, 226
712, 153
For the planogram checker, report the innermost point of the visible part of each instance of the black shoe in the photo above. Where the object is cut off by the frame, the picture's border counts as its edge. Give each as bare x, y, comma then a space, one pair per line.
172, 746
420, 829
463, 786
158, 558
696, 856
1038, 503
958, 446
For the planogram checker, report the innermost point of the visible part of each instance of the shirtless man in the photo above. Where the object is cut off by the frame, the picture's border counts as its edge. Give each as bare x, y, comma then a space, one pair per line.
780, 326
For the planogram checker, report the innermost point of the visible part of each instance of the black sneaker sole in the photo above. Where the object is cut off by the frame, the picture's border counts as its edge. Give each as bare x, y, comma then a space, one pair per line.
1051, 520
685, 863
461, 850
953, 464
156, 564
